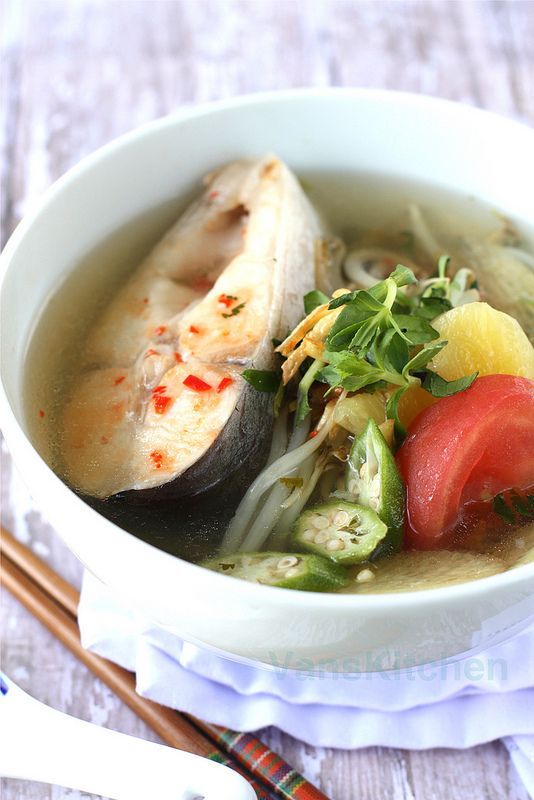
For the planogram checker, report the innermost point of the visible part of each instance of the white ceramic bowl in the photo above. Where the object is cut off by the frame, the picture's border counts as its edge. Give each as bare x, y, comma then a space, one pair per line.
399, 135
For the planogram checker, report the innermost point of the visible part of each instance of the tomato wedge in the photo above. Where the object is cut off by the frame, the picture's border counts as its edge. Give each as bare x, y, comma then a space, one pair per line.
470, 446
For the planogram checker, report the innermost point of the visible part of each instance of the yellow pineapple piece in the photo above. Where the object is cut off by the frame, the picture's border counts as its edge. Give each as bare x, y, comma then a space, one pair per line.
484, 340
413, 401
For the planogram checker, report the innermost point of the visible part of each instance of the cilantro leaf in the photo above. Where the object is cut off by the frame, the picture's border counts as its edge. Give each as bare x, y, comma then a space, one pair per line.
417, 329
501, 507
396, 353
392, 411
303, 406
422, 358
439, 387
314, 299
403, 276
361, 309
262, 380
431, 307
347, 370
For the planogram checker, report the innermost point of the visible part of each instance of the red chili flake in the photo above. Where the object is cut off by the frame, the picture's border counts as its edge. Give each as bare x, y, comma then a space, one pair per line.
161, 401
157, 458
226, 299
160, 330
224, 384
41, 413
178, 357
120, 379
312, 435
202, 283
194, 329
151, 352
104, 440
159, 389
212, 195
145, 300
197, 384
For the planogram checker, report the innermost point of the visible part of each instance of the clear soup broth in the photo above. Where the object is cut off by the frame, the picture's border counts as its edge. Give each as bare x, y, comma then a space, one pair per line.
368, 213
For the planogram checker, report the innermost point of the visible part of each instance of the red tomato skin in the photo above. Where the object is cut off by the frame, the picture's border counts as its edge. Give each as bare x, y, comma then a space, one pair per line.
470, 446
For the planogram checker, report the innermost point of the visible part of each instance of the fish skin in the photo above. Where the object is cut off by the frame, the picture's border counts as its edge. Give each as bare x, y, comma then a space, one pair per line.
202, 438
239, 451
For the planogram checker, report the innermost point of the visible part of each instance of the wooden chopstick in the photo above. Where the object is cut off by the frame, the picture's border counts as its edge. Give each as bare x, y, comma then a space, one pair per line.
54, 602
40, 573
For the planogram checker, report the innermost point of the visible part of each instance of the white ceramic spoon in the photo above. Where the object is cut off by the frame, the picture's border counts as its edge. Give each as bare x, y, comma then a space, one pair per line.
40, 744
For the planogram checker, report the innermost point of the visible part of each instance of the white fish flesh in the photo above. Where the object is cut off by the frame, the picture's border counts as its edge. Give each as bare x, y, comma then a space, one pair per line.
160, 405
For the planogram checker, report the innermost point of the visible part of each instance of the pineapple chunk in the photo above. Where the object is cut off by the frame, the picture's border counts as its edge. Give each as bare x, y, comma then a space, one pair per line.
484, 340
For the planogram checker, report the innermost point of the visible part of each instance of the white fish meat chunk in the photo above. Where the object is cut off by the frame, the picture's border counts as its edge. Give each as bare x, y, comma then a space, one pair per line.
160, 406
137, 316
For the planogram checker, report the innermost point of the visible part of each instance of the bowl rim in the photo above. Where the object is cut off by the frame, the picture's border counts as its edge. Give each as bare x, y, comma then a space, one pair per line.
510, 577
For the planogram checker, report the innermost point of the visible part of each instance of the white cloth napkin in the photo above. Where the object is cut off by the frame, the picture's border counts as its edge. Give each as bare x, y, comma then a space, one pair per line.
459, 705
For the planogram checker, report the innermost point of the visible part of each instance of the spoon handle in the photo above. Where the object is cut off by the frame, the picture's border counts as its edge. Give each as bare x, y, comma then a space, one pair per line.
41, 744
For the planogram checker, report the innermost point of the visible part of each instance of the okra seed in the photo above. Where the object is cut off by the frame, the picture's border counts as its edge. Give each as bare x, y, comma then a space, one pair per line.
292, 572
374, 489
365, 575
308, 535
353, 487
341, 519
321, 537
335, 544
288, 561
320, 522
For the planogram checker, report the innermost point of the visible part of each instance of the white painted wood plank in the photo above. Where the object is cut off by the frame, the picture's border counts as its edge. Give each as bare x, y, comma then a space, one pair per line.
78, 73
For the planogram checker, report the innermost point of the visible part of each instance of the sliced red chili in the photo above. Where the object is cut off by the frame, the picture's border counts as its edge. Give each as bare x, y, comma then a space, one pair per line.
178, 357
194, 329
197, 384
226, 299
159, 389
120, 379
161, 403
160, 330
224, 384
312, 435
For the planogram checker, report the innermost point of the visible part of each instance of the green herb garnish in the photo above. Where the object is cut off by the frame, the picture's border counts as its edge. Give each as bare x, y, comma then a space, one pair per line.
235, 310
511, 504
439, 387
262, 379
384, 337
303, 406
314, 299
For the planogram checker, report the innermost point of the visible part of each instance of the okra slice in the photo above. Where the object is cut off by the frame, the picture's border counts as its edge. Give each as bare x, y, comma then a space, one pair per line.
344, 532
287, 570
372, 479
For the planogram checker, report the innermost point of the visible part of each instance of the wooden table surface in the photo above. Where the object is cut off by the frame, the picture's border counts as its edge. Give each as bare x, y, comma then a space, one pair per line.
78, 73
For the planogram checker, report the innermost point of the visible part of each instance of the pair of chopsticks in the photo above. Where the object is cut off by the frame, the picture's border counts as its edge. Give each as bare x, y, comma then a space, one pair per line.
54, 602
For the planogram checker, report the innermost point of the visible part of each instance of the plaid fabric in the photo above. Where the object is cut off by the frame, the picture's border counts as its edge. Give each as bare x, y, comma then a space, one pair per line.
267, 766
